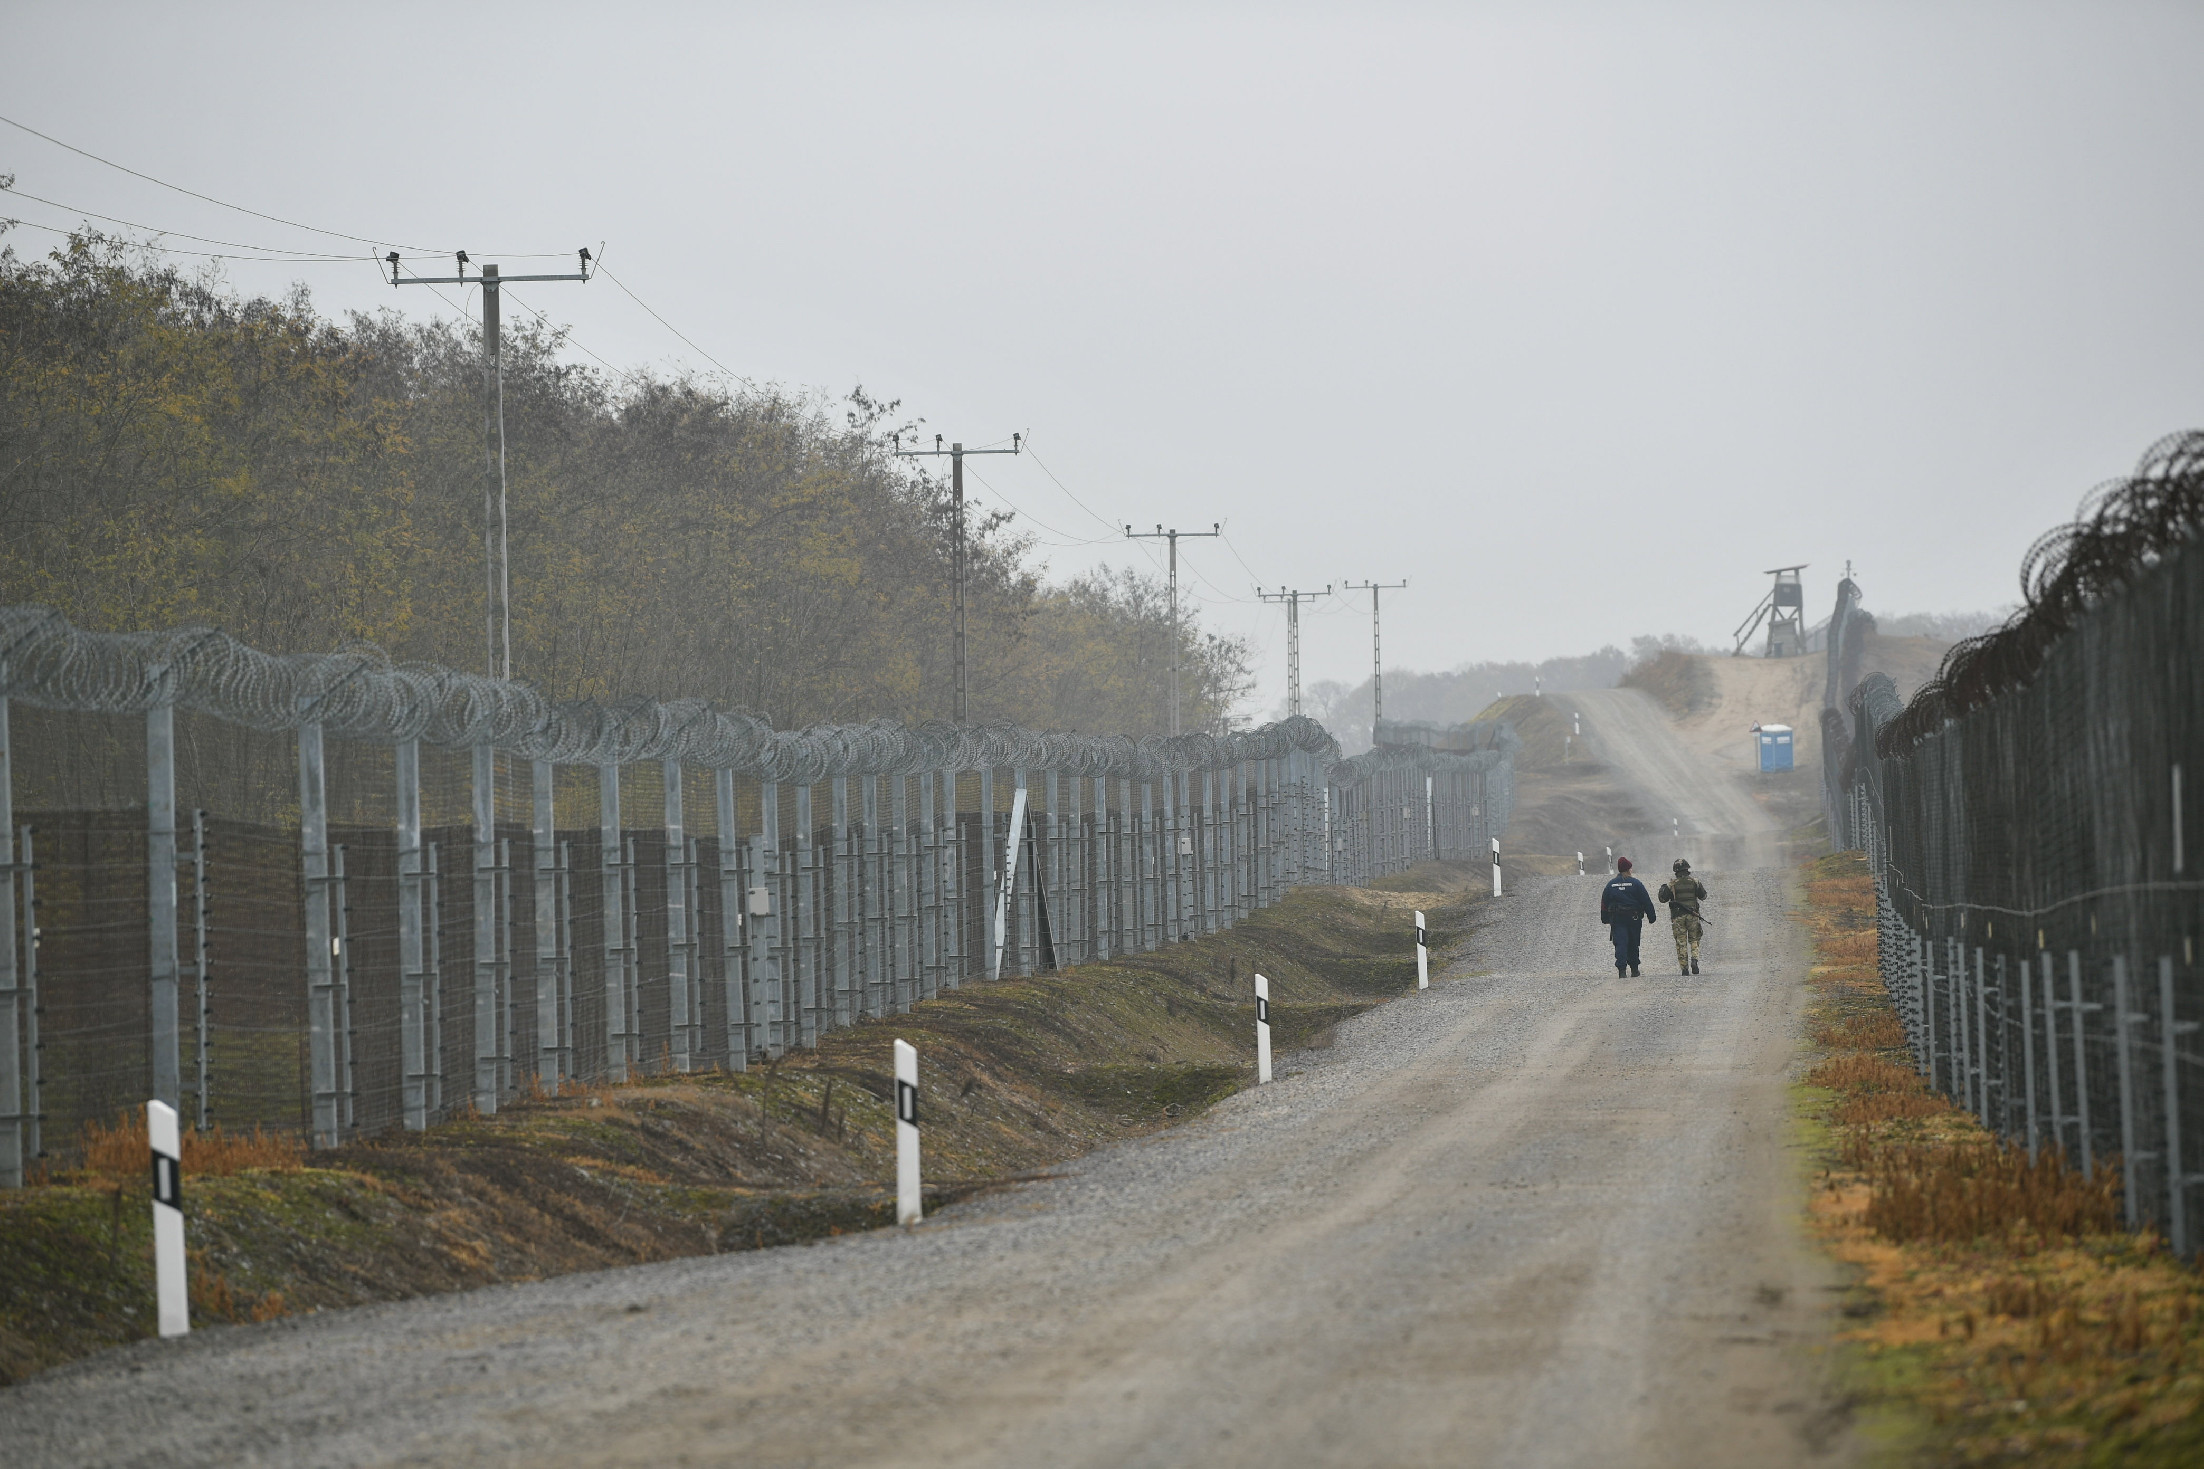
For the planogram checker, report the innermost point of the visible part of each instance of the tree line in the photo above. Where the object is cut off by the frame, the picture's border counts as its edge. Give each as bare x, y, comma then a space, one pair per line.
172, 452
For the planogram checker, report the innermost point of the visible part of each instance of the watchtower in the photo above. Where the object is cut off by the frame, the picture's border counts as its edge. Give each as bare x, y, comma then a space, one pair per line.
1784, 608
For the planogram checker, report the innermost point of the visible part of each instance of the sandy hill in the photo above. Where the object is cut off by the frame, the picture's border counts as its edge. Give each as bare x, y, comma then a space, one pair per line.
1717, 700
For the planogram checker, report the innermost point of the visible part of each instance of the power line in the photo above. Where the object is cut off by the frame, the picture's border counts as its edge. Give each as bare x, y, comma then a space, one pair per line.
155, 229
1069, 543
70, 233
669, 326
210, 199
1083, 505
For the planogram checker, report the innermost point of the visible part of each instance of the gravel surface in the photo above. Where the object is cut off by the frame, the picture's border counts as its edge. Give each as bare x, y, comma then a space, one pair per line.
1535, 1216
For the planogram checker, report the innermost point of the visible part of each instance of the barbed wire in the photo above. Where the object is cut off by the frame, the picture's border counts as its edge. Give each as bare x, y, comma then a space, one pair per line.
358, 693
2123, 527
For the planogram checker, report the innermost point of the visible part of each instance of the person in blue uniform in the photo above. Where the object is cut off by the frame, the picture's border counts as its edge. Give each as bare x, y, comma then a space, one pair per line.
1624, 905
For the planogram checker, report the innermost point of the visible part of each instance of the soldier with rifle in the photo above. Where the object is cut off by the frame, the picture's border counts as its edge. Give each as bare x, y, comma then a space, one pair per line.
1683, 894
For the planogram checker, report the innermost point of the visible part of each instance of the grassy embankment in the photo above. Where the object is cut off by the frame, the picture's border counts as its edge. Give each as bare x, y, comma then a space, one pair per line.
1014, 1076
2002, 1314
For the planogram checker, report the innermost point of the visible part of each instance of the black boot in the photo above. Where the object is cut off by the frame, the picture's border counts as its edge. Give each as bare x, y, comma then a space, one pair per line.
1621, 972
1634, 972
1683, 968
1694, 966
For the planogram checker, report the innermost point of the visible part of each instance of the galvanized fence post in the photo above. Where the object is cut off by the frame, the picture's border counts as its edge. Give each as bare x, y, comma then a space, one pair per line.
768, 910
160, 894
2028, 1052
729, 849
2080, 1013
2053, 1100
2170, 1030
13, 1155
543, 835
678, 1020
412, 955
321, 1016
613, 888
2124, 1020
485, 930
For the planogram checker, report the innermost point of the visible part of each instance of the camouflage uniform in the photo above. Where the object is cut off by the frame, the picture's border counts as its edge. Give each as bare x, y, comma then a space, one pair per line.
1682, 896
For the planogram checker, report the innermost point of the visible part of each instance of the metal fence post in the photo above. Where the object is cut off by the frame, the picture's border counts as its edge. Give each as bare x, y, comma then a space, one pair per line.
2124, 1019
810, 927
768, 1006
678, 1021
730, 921
485, 930
841, 925
543, 825
930, 949
2051, 1085
34, 1114
614, 892
2028, 1051
321, 1016
12, 1153
340, 951
2080, 1013
412, 958
2178, 1179
907, 971
1982, 1040
160, 896
202, 1013
1926, 961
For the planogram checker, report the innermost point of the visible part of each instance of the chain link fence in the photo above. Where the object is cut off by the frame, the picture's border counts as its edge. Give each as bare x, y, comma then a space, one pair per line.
2025, 818
335, 895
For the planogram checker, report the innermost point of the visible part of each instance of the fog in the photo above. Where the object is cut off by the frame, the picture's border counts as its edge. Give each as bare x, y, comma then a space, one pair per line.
1576, 317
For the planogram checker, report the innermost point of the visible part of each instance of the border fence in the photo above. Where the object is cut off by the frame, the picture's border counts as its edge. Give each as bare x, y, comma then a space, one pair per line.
330, 894
2025, 817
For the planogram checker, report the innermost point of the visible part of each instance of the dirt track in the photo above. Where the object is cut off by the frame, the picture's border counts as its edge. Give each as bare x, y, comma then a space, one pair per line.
1538, 1216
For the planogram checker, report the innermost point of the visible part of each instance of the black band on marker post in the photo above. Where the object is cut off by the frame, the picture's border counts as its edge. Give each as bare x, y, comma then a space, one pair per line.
168, 1181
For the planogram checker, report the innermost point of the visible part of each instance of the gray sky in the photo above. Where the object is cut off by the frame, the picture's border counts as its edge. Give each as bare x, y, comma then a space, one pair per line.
1578, 317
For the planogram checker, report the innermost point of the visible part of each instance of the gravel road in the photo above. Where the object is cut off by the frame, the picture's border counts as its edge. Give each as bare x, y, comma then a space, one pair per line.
1535, 1216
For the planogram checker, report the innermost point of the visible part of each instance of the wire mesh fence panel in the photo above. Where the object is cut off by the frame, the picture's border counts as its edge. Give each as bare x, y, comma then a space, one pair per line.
336, 896
2026, 817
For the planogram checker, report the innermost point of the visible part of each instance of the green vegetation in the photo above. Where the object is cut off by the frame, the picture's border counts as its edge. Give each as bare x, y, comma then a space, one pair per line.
177, 454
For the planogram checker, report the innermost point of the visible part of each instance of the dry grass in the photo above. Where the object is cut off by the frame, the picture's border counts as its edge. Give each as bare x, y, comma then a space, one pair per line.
1956, 1192
125, 1152
2012, 1318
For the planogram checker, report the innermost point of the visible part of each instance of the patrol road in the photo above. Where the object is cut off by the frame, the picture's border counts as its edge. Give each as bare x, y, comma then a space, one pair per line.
1534, 1216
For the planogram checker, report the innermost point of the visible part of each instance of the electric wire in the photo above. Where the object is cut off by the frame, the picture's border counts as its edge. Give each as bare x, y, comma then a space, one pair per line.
669, 326
209, 198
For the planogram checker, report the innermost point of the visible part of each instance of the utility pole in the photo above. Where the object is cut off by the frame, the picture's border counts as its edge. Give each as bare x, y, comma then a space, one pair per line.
1216, 528
1293, 601
956, 453
497, 615
1377, 661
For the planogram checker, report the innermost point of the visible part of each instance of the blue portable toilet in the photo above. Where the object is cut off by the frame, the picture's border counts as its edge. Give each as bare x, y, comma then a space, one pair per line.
1775, 746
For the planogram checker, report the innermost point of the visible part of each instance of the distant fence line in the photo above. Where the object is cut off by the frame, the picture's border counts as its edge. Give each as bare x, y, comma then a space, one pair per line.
2025, 817
338, 894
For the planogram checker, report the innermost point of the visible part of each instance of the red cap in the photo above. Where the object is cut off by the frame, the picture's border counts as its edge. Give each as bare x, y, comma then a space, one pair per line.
1622, 864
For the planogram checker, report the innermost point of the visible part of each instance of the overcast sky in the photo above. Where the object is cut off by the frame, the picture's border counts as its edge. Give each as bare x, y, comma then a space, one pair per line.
1576, 317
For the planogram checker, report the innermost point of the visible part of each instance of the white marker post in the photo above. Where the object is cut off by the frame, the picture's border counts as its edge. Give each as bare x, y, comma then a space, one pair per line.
908, 1204
1423, 954
1262, 1031
1496, 867
1580, 864
1010, 880
171, 1287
